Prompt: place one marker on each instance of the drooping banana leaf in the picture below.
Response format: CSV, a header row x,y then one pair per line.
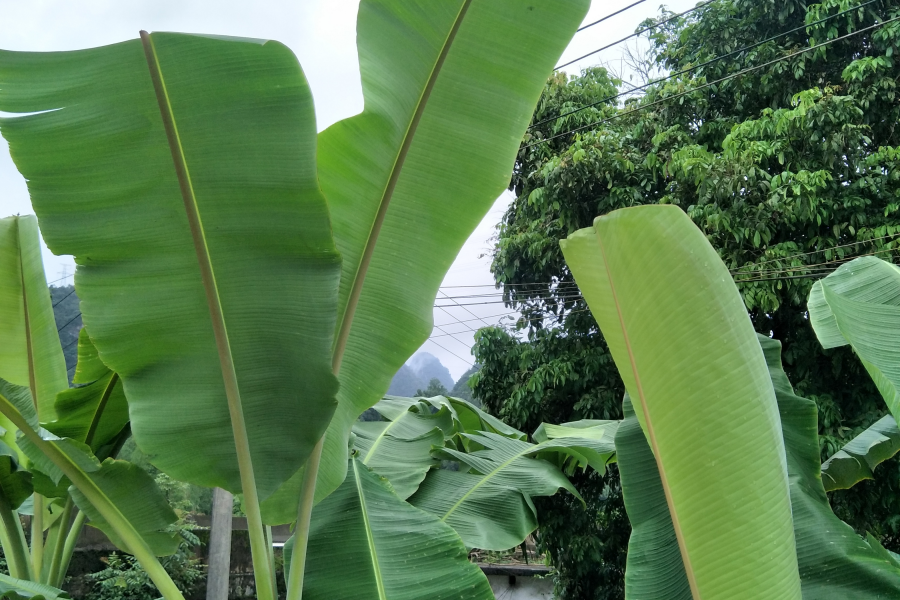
x,y
859,304
129,508
490,505
835,563
449,90
466,416
859,457
680,336
400,450
595,439
30,352
95,412
206,269
365,542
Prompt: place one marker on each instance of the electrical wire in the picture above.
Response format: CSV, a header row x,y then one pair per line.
x,y
635,34
712,83
57,303
69,322
701,65
609,16
451,352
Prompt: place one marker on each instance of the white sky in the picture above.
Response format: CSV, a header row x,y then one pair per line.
x,y
322,35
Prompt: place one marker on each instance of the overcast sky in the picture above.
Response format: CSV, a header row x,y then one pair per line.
x,y
322,35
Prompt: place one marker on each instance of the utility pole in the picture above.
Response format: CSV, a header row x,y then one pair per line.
x,y
219,546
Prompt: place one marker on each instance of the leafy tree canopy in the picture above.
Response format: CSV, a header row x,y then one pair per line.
x,y
435,388
787,169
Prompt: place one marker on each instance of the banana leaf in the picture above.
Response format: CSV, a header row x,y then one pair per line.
x,y
490,504
22,589
30,352
859,305
95,412
835,563
593,438
187,251
859,457
687,353
365,542
449,90
400,450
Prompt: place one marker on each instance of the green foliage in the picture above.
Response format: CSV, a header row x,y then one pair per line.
x,y
435,388
797,157
463,389
125,579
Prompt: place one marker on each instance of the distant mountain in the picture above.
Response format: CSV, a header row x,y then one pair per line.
x,y
416,375
406,382
427,367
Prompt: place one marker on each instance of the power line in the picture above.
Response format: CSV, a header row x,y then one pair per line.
x,y
57,303
461,306
609,16
701,65
451,352
790,256
711,83
69,322
635,34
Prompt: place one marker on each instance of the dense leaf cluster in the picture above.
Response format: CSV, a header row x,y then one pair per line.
x,y
786,169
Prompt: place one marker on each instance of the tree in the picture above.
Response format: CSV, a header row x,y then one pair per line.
x,y
787,169
435,388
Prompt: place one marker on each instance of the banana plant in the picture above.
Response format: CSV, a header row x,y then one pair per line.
x,y
694,382
93,415
183,173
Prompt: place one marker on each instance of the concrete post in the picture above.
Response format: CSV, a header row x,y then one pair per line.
x,y
219,546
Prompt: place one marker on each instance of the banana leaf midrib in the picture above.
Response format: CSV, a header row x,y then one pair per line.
x,y
223,346
379,439
101,406
485,478
356,288
373,553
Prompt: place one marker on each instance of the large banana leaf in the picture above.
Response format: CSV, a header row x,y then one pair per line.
x,y
835,563
206,269
449,89
30,352
365,543
400,450
859,304
679,333
490,506
857,460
